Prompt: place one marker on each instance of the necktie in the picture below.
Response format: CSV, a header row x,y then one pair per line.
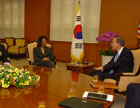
x,y
115,59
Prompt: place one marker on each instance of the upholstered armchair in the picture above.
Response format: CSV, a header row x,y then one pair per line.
x,y
124,79
30,48
10,41
18,48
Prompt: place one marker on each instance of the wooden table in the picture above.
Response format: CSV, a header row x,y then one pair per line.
x,y
53,87
83,68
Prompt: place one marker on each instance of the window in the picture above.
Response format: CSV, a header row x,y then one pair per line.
x,y
12,18
62,19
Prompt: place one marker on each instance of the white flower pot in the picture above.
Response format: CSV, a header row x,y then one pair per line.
x,y
106,59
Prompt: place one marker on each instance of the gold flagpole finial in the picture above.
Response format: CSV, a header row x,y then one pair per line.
x,y
79,1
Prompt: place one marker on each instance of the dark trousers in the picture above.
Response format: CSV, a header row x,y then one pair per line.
x,y
46,64
4,60
103,75
133,96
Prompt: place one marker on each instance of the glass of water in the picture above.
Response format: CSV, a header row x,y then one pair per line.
x,y
71,93
95,78
41,104
101,89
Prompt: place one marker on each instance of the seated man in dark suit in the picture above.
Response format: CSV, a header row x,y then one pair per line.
x,y
3,54
120,63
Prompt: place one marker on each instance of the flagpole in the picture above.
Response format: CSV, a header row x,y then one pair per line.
x,y
79,1
77,48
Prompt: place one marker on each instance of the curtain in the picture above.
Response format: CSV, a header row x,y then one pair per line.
x,y
12,18
62,19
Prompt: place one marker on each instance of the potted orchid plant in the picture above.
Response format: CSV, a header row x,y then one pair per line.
x,y
106,52
106,38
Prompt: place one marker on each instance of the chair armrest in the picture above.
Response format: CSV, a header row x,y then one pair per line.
x,y
128,74
8,58
55,62
29,61
125,74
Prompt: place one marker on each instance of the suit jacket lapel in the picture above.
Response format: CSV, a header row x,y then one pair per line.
x,y
122,53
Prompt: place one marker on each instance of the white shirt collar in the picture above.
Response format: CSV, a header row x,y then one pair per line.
x,y
120,50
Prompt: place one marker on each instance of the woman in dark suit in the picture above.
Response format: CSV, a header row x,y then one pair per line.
x,y
43,56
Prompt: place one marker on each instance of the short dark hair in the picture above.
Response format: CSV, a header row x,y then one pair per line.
x,y
120,40
40,40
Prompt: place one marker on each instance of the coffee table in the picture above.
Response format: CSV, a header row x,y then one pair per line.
x,y
83,68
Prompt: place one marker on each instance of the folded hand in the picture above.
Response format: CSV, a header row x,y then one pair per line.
x,y
100,68
45,59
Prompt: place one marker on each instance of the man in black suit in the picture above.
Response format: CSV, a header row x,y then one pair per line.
x,y
120,63
3,54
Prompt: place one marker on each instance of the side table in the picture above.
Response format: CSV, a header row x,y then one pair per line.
x,y
82,68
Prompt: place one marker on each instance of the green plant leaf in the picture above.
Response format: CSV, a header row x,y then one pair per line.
x,y
107,52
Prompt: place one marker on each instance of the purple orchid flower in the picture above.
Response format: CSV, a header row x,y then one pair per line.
x,y
106,37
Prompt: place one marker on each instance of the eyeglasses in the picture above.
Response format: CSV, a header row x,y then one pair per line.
x,y
113,42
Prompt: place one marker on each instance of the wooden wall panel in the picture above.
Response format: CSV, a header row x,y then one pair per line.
x,y
122,17
62,51
91,53
37,18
